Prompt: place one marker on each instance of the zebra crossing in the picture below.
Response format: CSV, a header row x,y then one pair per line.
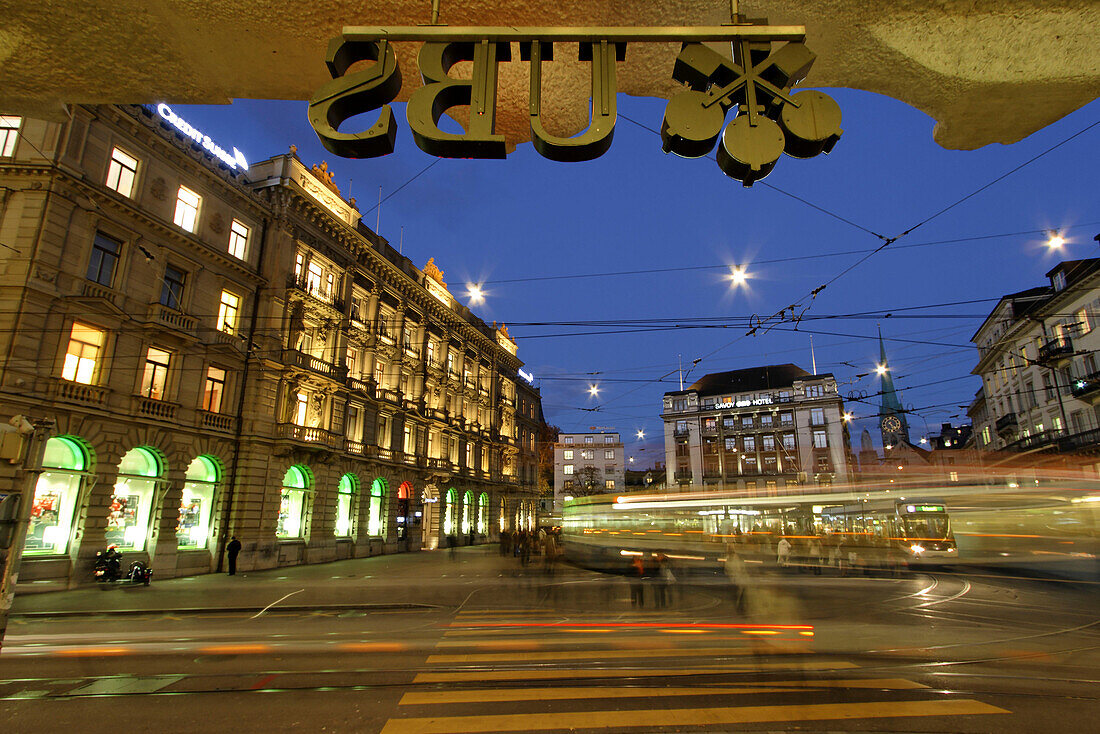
x,y
550,675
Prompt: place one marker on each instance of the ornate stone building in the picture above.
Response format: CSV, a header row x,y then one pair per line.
x,y
232,352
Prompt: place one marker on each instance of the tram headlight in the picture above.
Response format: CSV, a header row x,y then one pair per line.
x,y
917,549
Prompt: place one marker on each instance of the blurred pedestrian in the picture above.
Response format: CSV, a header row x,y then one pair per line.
x,y
665,580
452,542
232,551
815,553
526,541
637,578
505,543
783,552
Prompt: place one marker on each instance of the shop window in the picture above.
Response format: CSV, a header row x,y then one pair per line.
x,y
483,513
376,520
292,502
171,290
238,240
156,373
9,134
121,172
197,503
187,209
83,354
55,497
467,511
227,312
345,505
105,253
450,512
128,516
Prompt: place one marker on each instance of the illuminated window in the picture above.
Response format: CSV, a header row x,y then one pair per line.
x,y
197,503
568,439
589,439
301,408
450,512
820,441
238,239
121,172
377,516
567,454
212,393
9,133
55,496
227,312
611,439
345,504
467,512
587,454
609,454
609,484
83,354
171,291
156,373
187,209
750,443
483,513
128,514
101,266
568,470
292,503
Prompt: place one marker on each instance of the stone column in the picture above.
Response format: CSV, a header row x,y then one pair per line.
x,y
161,543
90,522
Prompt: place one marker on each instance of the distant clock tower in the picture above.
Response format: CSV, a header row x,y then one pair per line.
x,y
892,420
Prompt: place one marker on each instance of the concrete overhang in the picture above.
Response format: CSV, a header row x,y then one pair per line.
x,y
988,71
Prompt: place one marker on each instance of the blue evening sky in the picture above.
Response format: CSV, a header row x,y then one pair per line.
x,y
636,208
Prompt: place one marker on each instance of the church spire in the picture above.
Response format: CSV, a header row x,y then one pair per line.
x,y
892,419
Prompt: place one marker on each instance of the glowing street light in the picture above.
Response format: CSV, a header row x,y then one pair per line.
x,y
923,439
881,369
847,417
1055,240
594,390
641,435
738,275
473,290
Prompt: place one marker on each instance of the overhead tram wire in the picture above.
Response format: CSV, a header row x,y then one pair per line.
x,y
887,241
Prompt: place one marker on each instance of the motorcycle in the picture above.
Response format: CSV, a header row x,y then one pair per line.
x,y
108,569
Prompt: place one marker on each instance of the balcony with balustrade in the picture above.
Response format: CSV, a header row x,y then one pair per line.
x,y
308,436
172,319
220,422
316,292
160,410
306,361
66,391
1056,352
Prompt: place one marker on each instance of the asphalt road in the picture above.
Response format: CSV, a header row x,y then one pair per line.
x,y
493,647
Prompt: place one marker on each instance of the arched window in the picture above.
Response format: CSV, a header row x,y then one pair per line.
x,y
132,501
450,512
345,505
483,513
292,504
376,522
197,503
55,497
467,511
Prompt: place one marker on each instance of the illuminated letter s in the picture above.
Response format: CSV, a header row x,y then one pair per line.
x,y
362,91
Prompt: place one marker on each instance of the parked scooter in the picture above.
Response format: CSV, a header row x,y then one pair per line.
x,y
108,569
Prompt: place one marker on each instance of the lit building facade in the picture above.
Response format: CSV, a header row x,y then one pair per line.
x,y
229,352
762,428
1037,357
587,463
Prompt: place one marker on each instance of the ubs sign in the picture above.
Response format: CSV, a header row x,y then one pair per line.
x,y
754,83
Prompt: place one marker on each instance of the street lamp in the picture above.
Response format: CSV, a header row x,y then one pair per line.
x,y
881,369
847,417
594,390
1055,240
641,435
738,275
473,290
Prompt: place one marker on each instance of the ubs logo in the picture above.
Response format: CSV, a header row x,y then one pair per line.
x,y
754,83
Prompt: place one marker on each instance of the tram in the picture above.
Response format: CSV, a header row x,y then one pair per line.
x,y
843,529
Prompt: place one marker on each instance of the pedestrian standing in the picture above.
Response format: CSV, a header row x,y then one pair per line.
x,y
233,550
783,554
